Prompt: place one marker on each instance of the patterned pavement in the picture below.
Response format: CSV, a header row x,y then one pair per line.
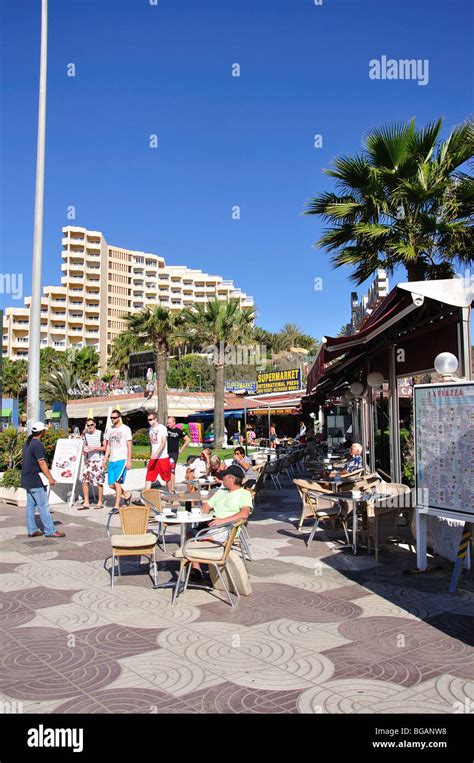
x,y
322,632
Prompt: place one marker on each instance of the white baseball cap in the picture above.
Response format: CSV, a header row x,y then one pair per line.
x,y
38,427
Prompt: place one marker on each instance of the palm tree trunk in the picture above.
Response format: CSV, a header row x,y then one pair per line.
x,y
416,271
219,406
161,363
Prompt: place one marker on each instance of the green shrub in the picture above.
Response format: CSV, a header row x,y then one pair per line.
x,y
140,437
12,478
11,443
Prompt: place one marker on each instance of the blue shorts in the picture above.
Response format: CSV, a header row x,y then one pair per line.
x,y
116,472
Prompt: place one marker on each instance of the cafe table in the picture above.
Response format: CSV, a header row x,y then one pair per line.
x,y
185,519
359,497
187,496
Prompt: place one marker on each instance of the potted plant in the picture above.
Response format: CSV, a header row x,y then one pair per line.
x,y
10,490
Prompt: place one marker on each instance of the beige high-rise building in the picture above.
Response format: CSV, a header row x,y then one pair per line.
x,y
101,283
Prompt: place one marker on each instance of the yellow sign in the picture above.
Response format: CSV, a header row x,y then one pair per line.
x,y
273,411
278,381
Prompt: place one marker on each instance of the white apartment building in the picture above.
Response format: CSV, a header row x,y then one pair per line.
x,y
99,284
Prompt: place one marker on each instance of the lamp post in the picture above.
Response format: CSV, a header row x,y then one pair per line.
x,y
243,394
374,380
33,408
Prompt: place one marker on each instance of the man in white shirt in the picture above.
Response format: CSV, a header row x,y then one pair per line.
x,y
159,464
200,466
118,448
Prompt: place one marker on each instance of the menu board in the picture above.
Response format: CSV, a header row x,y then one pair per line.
x,y
66,460
444,446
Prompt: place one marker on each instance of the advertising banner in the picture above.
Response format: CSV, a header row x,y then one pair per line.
x,y
279,381
66,460
241,386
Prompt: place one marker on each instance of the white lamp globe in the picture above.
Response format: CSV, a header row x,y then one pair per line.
x,y
446,363
375,379
349,396
357,389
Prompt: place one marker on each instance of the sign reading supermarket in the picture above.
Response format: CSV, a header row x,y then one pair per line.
x,y
278,381
240,386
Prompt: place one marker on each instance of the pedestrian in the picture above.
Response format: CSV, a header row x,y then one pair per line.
x,y
33,465
245,463
118,448
93,473
175,435
159,463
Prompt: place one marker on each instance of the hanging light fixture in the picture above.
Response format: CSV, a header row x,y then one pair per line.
x,y
349,396
357,389
375,379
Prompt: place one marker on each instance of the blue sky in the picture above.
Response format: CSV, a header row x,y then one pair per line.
x,y
223,140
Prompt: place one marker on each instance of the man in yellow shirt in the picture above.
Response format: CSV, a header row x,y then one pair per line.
x,y
230,504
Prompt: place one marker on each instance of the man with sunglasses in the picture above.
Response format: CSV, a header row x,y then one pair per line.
x,y
159,464
93,472
118,442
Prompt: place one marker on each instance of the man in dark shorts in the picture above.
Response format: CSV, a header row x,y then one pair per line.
x,y
175,435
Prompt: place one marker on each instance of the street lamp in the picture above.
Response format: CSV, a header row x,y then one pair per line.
x,y
446,364
244,393
33,409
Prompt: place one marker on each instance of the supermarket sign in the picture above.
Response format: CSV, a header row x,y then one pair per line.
x,y
279,381
240,386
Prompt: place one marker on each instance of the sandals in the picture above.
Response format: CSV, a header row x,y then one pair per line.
x,y
127,501
83,508
100,507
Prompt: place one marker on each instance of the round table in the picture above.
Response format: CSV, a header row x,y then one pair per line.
x,y
184,519
188,497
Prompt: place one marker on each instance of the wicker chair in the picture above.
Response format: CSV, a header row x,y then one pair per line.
x,y
207,551
135,540
152,499
308,506
389,507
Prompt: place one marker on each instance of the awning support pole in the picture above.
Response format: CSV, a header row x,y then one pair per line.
x,y
370,412
395,461
465,343
363,430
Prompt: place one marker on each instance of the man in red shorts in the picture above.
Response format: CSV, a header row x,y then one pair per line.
x,y
159,463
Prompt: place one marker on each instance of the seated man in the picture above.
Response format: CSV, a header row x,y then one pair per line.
x,y
354,463
198,467
231,503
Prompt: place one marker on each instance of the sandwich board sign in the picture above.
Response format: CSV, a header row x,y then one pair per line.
x,y
66,463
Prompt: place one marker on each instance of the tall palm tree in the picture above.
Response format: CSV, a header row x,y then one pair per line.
x,y
403,201
219,325
14,374
59,386
120,350
162,329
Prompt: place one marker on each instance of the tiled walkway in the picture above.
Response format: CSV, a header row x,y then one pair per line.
x,y
323,631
